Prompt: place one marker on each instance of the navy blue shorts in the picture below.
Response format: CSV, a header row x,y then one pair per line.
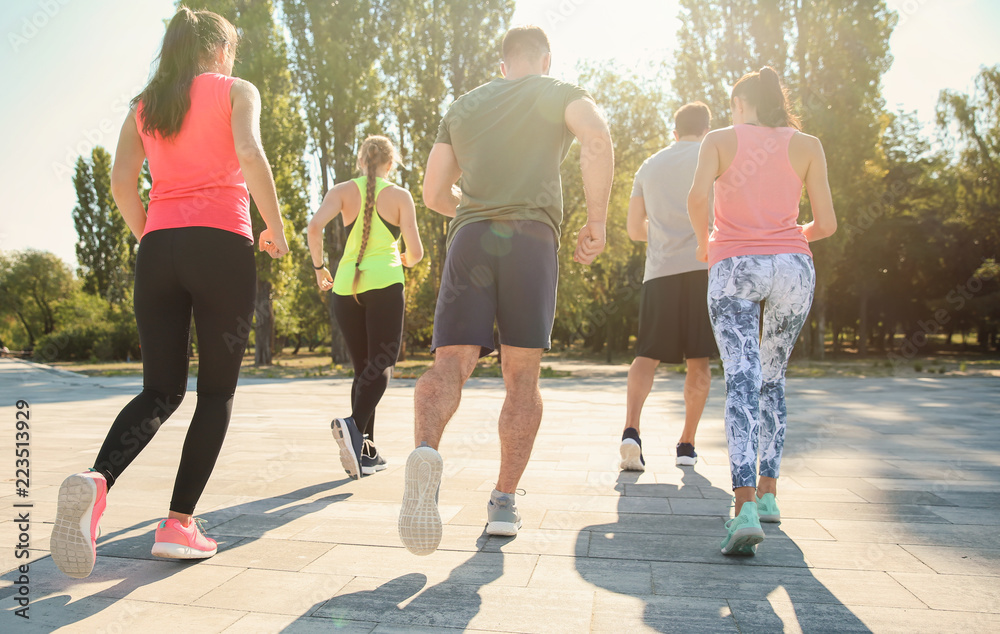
x,y
503,272
673,319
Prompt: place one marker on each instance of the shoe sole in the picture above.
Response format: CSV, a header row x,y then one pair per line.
x,y
631,454
169,550
771,519
503,529
72,546
686,461
744,541
372,470
419,519
348,459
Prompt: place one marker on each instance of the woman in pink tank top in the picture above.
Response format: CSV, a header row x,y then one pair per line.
x,y
757,252
199,129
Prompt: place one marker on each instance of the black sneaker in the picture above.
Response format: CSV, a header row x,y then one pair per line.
x,y
686,457
371,459
631,451
348,436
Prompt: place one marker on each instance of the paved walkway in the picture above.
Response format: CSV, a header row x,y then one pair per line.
x,y
890,492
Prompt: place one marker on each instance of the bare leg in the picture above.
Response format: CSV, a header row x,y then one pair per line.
x,y
743,494
439,391
696,387
640,383
521,413
183,518
767,485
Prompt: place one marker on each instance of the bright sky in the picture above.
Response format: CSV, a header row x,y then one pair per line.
x,y
69,68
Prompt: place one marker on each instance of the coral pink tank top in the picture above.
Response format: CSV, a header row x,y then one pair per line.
x,y
757,198
197,181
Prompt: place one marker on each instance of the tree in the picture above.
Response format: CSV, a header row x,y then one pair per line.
x,y
105,248
262,59
31,285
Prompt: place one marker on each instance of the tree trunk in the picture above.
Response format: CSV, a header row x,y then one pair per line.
x,y
863,324
819,309
263,325
608,339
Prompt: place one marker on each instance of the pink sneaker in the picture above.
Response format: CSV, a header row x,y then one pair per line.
x,y
175,541
82,500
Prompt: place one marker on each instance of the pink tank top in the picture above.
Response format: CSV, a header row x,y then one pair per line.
x,y
197,181
757,198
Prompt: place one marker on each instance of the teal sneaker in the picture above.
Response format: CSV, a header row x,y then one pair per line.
x,y
744,532
767,508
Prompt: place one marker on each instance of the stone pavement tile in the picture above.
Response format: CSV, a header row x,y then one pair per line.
x,y
286,624
630,522
626,576
409,629
974,516
879,496
630,504
453,566
851,587
179,581
796,529
859,556
272,526
854,511
949,560
408,601
475,515
983,498
901,620
686,548
270,554
617,613
929,484
382,533
782,615
718,507
540,542
910,533
100,614
953,592
792,491
868,467
137,543
662,491
274,592
599,503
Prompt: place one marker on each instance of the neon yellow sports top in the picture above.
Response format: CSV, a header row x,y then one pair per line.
x,y
381,265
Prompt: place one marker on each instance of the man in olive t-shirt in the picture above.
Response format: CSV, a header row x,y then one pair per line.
x,y
504,141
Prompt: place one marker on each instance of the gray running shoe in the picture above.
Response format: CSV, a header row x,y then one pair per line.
x,y
419,519
502,515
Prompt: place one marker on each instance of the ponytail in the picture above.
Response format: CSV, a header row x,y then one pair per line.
x,y
763,91
191,39
375,151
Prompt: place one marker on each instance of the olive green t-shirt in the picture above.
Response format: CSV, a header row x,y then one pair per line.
x,y
509,137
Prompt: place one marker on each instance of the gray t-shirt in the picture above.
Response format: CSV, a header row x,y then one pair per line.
x,y
663,182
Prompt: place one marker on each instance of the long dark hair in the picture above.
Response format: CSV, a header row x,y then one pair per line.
x,y
375,152
763,91
192,38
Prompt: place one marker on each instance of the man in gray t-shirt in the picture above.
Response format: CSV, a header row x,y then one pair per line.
x,y
673,316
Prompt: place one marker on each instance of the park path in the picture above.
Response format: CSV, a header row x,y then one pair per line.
x,y
890,494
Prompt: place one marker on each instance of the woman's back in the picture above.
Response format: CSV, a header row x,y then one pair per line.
x,y
197,180
757,195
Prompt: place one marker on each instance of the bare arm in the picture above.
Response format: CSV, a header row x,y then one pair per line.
x,y
440,192
329,209
824,222
701,193
129,157
408,225
637,222
253,163
597,166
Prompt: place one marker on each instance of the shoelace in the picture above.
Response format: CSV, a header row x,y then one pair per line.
x,y
369,449
200,526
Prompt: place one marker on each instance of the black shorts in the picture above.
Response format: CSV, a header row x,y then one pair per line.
x,y
673,319
502,271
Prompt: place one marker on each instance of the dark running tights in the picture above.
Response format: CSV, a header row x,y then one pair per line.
x,y
179,272
373,329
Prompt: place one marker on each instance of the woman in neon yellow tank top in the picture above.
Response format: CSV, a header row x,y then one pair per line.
x,y
367,289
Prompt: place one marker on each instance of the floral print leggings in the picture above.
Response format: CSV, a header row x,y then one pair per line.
x,y
755,365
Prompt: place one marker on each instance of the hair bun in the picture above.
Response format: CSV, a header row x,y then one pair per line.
x,y
769,77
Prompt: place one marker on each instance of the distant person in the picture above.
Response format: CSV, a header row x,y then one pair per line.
x,y
505,141
757,253
198,128
367,289
673,317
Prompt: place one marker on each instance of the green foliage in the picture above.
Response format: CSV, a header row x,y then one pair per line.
x,y
32,283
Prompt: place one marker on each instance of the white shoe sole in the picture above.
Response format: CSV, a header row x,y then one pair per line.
x,y
71,545
419,519
348,459
771,519
372,470
168,550
686,461
744,541
503,529
631,454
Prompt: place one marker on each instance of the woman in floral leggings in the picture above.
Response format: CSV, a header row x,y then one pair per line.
x,y
758,253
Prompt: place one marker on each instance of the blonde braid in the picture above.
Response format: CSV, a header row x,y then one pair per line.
x,y
375,151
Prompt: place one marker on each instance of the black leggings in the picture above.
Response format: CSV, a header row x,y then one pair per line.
x,y
373,330
210,273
